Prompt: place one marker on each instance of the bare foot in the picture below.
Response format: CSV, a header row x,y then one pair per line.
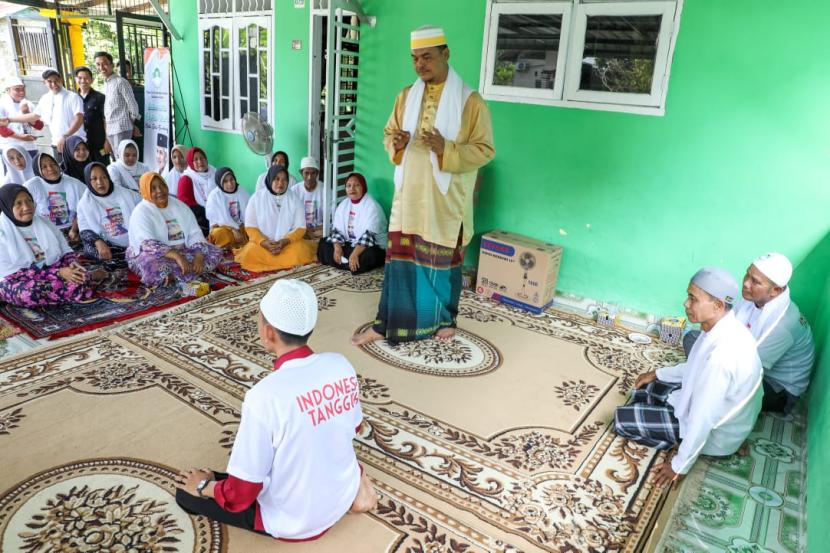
x,y
743,451
367,498
445,333
368,335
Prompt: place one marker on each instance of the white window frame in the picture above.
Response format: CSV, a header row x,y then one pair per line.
x,y
571,47
233,22
507,93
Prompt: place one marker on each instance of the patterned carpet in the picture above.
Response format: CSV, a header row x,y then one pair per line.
x,y
495,441
753,504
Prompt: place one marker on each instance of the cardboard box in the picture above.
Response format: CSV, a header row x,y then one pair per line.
x,y
517,270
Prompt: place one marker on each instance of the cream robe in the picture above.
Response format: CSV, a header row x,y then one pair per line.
x,y
721,392
419,207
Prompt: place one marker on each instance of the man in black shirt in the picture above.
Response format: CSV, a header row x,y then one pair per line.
x,y
93,114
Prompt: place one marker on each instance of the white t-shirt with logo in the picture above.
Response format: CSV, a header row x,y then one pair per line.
x,y
58,111
312,203
10,108
295,437
31,239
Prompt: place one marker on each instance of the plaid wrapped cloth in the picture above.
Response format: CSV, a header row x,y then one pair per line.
x,y
648,419
367,240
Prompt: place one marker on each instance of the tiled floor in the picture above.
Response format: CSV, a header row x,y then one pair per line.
x,y
753,504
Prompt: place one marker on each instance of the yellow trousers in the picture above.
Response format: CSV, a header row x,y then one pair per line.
x,y
254,257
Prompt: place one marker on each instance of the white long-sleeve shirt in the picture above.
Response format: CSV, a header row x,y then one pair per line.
x,y
721,392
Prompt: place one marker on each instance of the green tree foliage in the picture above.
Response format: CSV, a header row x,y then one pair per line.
x,y
99,36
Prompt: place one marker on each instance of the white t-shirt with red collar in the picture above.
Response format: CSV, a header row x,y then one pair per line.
x,y
295,437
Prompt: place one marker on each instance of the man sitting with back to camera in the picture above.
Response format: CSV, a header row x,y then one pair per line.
x,y
293,472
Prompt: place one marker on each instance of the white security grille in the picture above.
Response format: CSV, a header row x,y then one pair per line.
x,y
226,7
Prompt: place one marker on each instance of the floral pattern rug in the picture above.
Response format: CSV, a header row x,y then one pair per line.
x,y
504,429
752,504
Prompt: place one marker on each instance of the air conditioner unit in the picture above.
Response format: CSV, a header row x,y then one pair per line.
x,y
522,66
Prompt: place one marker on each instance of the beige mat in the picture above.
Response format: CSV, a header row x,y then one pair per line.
x,y
497,440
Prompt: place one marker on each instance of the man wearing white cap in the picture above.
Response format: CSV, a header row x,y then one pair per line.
x,y
310,192
12,104
785,343
708,404
438,136
293,471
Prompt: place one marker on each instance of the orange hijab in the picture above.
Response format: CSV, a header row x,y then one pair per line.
x,y
144,184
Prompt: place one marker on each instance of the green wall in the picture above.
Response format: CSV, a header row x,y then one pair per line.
x,y
738,165
289,90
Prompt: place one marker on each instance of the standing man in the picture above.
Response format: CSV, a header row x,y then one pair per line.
x,y
60,109
438,136
293,472
310,192
93,100
120,108
12,104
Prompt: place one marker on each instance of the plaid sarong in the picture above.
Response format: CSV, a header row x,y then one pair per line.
x,y
421,288
648,419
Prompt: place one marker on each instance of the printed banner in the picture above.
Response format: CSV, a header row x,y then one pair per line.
x,y
157,141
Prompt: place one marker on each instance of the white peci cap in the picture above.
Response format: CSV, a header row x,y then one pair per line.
x,y
309,162
775,267
290,306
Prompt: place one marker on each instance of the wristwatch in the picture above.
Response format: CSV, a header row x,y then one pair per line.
x,y
202,485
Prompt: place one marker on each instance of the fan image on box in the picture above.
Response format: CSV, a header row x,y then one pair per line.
x,y
257,133
527,261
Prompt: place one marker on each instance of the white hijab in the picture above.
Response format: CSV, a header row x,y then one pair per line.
x,y
13,174
92,210
123,174
368,216
16,254
203,183
275,216
218,204
147,223
454,96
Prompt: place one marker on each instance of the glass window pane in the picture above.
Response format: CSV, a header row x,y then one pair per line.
x,y
226,38
216,99
263,110
243,106
215,50
619,53
527,47
243,75
263,37
226,109
226,71
206,75
207,106
243,37
263,62
206,38
254,87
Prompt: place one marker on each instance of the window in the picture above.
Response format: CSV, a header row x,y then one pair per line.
x,y
235,62
610,55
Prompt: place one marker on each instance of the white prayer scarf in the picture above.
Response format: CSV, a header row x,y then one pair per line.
x,y
13,174
218,207
126,175
447,120
93,213
148,223
368,216
16,254
203,183
771,314
274,216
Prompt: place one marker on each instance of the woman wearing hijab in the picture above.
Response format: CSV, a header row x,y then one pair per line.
x,y
172,175
75,157
279,158
127,170
56,195
357,240
18,165
196,184
166,244
37,266
104,217
225,211
275,224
